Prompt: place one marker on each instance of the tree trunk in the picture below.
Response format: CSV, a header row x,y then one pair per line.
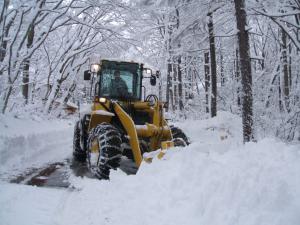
x,y
207,80
54,96
238,78
280,104
180,84
246,75
286,88
222,68
160,89
169,85
290,65
25,87
69,93
213,66
5,29
174,87
5,103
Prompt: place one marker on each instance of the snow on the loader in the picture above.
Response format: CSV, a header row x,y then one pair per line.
x,y
215,180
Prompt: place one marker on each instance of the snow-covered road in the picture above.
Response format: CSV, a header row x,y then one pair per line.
x,y
216,180
32,144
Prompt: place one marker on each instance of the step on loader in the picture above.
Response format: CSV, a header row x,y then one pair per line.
x,y
118,125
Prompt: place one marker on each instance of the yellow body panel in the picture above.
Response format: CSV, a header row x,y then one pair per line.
x,y
158,131
164,146
167,144
128,124
150,130
97,118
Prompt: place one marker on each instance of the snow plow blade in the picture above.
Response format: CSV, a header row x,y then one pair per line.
x,y
165,145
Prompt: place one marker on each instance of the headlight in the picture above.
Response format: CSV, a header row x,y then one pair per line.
x,y
95,68
149,71
102,100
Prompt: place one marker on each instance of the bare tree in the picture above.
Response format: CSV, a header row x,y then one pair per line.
x,y
213,65
207,80
286,83
246,75
25,87
17,53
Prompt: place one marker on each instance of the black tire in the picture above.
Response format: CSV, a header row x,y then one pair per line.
x,y
78,153
109,146
179,137
126,148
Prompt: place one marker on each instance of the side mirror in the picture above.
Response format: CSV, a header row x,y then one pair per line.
x,y
165,105
153,80
87,75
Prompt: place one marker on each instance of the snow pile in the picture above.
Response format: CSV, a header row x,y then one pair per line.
x,y
256,184
27,143
215,134
216,181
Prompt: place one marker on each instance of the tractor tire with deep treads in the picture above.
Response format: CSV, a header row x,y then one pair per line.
x,y
126,147
78,153
108,140
179,137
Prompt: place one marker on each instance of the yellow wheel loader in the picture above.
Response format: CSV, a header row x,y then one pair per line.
x,y
119,125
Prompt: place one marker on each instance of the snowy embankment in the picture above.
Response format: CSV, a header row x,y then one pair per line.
x,y
25,144
216,180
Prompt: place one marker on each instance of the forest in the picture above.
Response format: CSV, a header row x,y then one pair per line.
x,y
240,56
149,112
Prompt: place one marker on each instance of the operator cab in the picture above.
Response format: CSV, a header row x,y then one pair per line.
x,y
118,80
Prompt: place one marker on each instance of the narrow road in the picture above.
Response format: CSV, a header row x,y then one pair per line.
x,y
52,175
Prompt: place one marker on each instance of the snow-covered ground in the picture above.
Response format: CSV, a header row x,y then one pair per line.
x,y
26,144
215,180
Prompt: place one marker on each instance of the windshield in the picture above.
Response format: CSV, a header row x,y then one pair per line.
x,y
120,81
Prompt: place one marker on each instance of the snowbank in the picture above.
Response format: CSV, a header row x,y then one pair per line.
x,y
215,181
27,143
